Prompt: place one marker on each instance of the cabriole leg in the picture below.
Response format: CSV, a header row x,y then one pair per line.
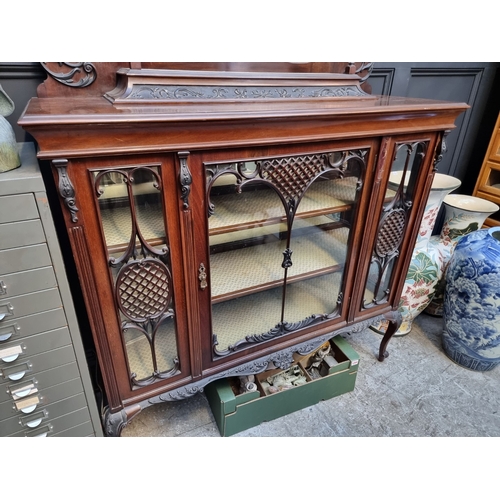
x,y
395,319
115,422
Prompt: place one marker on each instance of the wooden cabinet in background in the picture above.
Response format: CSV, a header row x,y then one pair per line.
x,y
221,222
488,182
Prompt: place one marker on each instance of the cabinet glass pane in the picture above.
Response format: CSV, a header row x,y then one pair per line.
x,y
245,265
399,198
279,230
134,227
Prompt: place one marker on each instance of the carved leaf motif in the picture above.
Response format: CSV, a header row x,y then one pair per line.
x,y
75,68
185,179
207,92
66,189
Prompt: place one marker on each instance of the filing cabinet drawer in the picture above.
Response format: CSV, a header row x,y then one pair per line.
x,y
42,398
22,259
35,344
18,207
84,430
24,422
30,303
46,414
16,328
20,234
34,364
27,281
65,426
10,389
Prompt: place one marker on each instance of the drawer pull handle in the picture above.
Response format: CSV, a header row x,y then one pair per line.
x,y
10,353
23,389
3,288
28,409
9,359
16,372
17,375
34,423
22,393
27,405
7,332
6,310
33,420
5,336
42,432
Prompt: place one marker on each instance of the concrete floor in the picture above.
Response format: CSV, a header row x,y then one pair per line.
x,y
416,391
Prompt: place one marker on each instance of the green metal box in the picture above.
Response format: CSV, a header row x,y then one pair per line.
x,y
237,412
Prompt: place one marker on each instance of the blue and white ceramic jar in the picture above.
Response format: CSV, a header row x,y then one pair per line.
x,y
463,215
471,313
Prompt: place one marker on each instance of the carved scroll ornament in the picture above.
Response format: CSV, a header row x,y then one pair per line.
x,y
182,93
67,78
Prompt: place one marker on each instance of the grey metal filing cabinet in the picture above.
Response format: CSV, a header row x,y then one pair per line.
x,y
45,386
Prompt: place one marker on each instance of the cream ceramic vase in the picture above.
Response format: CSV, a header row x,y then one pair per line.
x,y
423,272
463,215
9,156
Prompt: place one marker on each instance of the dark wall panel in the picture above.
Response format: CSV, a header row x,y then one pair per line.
x,y
20,81
381,80
473,83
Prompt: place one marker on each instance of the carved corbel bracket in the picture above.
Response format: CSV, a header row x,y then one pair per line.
x,y
65,188
441,149
185,178
364,70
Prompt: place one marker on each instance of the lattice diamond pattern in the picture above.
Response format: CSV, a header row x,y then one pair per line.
x,y
292,175
391,232
143,289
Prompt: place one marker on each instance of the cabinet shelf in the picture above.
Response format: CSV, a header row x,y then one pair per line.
x,y
251,269
234,212
233,320
248,209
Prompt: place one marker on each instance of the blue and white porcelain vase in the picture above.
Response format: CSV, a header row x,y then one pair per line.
x,y
471,313
463,215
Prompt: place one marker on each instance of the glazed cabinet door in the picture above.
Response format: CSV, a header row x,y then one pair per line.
x,y
403,178
130,216
283,229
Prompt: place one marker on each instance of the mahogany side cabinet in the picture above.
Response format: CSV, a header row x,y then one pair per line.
x,y
222,221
